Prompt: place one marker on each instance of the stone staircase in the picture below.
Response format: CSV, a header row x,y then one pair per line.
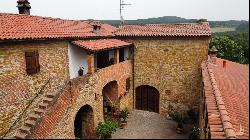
x,y
33,119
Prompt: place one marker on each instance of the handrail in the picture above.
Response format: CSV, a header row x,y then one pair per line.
x,y
19,117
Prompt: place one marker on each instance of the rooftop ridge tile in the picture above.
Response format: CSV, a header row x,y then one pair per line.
x,y
225,119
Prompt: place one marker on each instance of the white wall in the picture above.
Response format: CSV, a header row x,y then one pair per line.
x,y
111,54
77,58
126,53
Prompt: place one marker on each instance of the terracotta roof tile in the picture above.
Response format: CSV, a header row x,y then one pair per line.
x,y
230,86
98,45
174,30
22,26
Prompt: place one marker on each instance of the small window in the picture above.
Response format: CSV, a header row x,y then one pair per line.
x,y
127,84
32,62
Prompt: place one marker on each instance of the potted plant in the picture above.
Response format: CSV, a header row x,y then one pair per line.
x,y
80,71
106,129
181,118
124,115
194,133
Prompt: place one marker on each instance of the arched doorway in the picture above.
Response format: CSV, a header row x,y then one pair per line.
x,y
147,98
84,123
110,98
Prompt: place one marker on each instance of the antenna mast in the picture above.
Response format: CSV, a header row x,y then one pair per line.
x,y
122,4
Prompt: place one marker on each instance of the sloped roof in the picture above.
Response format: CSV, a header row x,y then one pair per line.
x,y
22,26
227,98
173,30
102,44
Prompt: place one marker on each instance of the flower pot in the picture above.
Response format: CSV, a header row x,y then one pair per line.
x,y
80,72
123,125
180,129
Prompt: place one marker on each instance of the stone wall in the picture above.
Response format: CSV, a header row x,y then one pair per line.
x,y
17,88
173,68
86,90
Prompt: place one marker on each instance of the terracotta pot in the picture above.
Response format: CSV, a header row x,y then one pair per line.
x,y
123,125
179,129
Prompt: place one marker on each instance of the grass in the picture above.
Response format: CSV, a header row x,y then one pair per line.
x,y
222,29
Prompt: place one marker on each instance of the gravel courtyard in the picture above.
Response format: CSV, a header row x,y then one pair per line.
x,y
149,125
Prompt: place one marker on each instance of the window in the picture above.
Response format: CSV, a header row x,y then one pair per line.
x,y
32,62
121,54
127,84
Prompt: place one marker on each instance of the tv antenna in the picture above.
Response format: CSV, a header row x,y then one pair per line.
x,y
122,4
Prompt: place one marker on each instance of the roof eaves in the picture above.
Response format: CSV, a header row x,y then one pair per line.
x,y
224,117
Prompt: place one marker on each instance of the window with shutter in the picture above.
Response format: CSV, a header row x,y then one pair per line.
x,y
127,84
32,62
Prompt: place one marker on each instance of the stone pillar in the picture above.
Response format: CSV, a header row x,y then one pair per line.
x,y
116,56
91,63
213,53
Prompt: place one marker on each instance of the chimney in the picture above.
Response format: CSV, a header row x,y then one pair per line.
x,y
23,7
97,29
224,63
213,53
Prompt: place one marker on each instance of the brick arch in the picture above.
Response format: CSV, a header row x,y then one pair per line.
x,y
110,96
147,98
84,123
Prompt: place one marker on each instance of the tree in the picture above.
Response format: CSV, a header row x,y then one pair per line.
x,y
228,49
201,20
242,39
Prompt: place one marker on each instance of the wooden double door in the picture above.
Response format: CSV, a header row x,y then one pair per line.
x,y
147,98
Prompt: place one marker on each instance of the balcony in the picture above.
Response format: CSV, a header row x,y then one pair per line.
x,y
87,57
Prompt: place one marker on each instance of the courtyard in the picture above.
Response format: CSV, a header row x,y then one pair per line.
x,y
149,125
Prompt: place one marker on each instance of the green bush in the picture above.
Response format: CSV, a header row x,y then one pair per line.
x,y
193,116
124,114
232,46
180,117
106,129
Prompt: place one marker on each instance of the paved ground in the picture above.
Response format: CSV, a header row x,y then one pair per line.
x,y
149,125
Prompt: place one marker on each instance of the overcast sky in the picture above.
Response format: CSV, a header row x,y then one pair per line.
x,y
109,9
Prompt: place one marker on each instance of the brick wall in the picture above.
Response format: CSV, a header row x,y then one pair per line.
x,y
17,88
173,68
87,90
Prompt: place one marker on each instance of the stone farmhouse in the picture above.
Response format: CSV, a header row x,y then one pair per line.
x,y
59,77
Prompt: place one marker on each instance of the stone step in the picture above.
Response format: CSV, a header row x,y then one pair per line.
x,y
47,100
34,116
39,111
43,105
30,123
25,129
20,135
51,94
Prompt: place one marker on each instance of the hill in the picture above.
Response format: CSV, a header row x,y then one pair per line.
x,y
230,25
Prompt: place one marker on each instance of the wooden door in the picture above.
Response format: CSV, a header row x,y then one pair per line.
x,y
147,98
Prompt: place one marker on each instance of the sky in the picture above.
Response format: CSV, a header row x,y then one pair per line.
x,y
140,9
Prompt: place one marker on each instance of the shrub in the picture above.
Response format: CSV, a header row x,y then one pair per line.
x,y
193,116
124,114
194,134
180,117
106,129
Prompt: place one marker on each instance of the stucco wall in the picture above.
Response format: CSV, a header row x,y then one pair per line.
x,y
17,88
111,54
77,58
126,53
173,68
